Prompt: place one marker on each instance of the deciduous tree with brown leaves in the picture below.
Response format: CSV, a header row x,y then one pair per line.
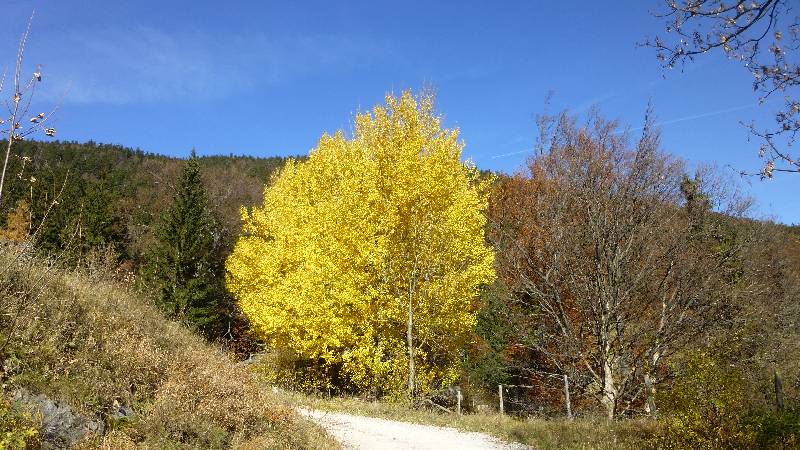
x,y
613,258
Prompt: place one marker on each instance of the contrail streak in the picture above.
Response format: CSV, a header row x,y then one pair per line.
x,y
700,116
664,122
512,153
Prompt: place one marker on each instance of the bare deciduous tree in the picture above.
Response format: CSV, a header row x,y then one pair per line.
x,y
613,260
765,37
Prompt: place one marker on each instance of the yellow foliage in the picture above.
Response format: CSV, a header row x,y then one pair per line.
x,y
19,428
18,223
705,407
343,241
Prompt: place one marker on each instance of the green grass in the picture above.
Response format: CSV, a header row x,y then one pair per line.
x,y
581,433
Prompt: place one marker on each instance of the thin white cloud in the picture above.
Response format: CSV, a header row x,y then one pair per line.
x,y
661,123
145,65
519,152
699,116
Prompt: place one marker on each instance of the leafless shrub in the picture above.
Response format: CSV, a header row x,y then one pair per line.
x,y
22,121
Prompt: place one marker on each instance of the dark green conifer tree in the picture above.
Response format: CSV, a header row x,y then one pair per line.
x,y
181,267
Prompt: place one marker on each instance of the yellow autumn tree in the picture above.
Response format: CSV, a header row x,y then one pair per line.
x,y
18,223
368,256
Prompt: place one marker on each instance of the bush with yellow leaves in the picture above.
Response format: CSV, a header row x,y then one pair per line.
x,y
19,428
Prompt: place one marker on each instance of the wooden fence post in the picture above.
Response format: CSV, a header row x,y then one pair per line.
x,y
567,401
778,391
500,391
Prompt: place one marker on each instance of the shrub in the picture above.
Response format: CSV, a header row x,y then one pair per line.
x,y
708,407
18,427
778,430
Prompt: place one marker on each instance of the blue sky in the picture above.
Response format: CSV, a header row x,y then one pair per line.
x,y
268,78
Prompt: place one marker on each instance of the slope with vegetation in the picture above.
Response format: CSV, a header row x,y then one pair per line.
x,y
85,341
84,201
111,196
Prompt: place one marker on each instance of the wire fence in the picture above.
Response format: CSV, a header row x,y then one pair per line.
x,y
517,399
512,395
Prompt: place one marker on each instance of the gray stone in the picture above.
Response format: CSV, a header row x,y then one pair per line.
x,y
120,412
61,426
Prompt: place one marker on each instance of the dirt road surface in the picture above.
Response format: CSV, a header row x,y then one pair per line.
x,y
357,432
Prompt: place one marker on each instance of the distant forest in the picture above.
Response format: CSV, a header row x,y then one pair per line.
x,y
109,198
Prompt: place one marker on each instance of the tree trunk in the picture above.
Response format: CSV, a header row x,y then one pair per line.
x,y
567,402
650,406
609,394
410,341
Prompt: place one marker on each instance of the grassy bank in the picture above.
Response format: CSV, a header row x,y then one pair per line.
x,y
83,340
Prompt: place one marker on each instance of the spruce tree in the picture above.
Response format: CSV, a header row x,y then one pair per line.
x,y
181,267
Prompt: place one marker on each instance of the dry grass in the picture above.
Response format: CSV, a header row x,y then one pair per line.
x,y
85,340
582,433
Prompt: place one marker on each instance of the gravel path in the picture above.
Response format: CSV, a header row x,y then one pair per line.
x,y
356,432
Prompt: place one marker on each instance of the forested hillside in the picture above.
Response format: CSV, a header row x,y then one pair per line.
x,y
99,197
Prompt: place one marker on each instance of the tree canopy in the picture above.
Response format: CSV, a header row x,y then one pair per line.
x,y
370,251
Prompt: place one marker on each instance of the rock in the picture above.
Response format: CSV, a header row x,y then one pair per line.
x,y
121,412
251,359
61,426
